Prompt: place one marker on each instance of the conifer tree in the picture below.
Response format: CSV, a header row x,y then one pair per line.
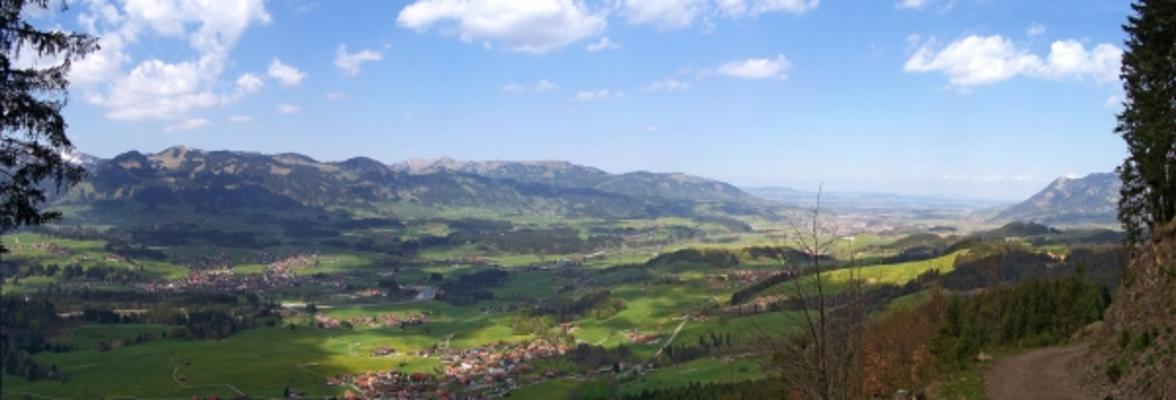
x,y
1148,121
33,141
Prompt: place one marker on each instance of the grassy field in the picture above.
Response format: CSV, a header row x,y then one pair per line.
x,y
705,369
895,274
262,361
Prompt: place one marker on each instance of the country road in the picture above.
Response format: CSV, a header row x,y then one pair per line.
x,y
1041,374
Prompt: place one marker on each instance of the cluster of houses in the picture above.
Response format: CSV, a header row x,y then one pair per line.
x,y
479,372
743,277
227,280
499,361
380,321
279,273
391,385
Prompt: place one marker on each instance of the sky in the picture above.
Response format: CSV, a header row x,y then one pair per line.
x,y
978,98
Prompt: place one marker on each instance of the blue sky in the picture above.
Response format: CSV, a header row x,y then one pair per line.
x,y
981,98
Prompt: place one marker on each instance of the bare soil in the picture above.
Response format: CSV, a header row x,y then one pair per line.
x,y
1042,374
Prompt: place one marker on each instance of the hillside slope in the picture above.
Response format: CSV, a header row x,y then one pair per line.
x,y
563,174
1134,356
230,181
1090,200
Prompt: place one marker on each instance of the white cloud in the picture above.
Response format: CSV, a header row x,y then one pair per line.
x,y
1070,59
757,68
240,119
249,83
668,85
652,128
912,4
187,125
603,44
1035,29
155,88
158,90
533,26
335,96
350,63
974,60
539,87
596,95
288,109
666,14
751,8
286,75
101,65
977,61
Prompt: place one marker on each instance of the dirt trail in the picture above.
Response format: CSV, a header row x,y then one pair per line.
x,y
1041,374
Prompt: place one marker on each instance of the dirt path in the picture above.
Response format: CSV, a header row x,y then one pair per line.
x,y
1041,374
672,337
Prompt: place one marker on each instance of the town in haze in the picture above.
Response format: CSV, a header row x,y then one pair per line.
x,y
588,199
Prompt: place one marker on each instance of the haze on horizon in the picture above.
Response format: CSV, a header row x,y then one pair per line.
x,y
752,92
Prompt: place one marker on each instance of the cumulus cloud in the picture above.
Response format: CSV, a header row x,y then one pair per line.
x,y
350,63
603,44
187,125
249,83
155,88
158,90
977,61
533,26
757,68
539,87
597,95
286,75
751,8
664,13
240,119
288,109
668,85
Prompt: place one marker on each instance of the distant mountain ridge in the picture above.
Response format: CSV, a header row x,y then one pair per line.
x,y
1092,199
231,180
564,174
869,200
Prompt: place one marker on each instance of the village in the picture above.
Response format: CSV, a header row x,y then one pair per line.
x,y
484,371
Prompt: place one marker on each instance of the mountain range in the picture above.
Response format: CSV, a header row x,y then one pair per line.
x,y
228,182
1089,200
224,181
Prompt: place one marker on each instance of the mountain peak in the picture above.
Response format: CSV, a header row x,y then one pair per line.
x,y
1091,199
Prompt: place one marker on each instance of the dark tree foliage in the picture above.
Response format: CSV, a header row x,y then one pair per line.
x,y
32,130
1148,120
1034,313
761,389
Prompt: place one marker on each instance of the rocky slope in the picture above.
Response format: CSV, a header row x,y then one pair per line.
x,y
1134,356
